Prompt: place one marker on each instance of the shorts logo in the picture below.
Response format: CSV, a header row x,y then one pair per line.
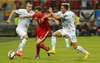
x,y
73,37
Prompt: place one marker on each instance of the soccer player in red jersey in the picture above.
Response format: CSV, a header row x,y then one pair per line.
x,y
43,30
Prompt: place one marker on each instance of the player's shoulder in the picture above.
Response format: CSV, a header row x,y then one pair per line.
x,y
34,15
32,11
69,13
21,9
43,14
59,12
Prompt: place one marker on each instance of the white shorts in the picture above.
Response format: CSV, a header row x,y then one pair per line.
x,y
20,32
70,33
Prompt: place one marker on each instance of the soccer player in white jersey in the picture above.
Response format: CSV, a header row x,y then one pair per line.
x,y
68,18
66,37
22,25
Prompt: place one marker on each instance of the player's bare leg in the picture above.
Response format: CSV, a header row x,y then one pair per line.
x,y
81,49
21,45
67,42
53,41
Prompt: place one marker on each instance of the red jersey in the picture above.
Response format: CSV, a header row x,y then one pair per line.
x,y
42,25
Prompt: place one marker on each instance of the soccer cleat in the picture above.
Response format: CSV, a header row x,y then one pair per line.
x,y
51,52
37,57
86,56
47,51
19,54
67,48
71,43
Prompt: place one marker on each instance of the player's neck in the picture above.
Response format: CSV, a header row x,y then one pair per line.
x,y
65,11
28,10
39,15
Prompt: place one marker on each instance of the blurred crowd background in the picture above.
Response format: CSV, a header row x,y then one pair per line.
x,y
87,14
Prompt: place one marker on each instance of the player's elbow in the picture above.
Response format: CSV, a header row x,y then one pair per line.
x,y
57,17
26,37
57,23
14,11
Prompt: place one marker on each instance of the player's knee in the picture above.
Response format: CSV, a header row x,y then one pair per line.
x,y
38,42
75,46
26,37
53,35
66,36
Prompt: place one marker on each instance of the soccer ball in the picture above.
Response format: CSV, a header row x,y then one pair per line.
x,y
11,54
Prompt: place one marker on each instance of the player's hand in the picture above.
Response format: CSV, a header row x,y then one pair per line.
x,y
57,22
50,9
75,26
50,18
21,17
62,24
8,21
42,19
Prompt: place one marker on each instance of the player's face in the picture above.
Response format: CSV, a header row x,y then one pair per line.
x,y
63,9
29,7
38,13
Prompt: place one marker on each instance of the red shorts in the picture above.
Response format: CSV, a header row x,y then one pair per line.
x,y
42,34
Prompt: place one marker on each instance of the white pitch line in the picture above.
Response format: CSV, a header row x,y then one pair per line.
x,y
9,42
12,42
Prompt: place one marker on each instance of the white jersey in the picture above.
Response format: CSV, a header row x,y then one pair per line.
x,y
68,19
24,22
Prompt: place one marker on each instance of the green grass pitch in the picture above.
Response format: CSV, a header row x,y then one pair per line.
x,y
63,55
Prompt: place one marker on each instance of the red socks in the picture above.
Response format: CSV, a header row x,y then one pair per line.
x,y
44,47
37,49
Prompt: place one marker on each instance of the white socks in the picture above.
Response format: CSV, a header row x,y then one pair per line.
x,y
67,43
53,42
21,45
82,50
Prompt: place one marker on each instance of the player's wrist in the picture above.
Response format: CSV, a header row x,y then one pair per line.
x,y
8,19
43,17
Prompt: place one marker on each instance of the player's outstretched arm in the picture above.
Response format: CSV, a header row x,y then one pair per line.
x,y
47,16
8,21
56,21
57,17
62,23
75,22
28,16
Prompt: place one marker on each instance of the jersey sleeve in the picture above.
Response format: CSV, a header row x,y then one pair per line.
x,y
32,13
58,13
19,11
33,16
66,16
69,15
74,16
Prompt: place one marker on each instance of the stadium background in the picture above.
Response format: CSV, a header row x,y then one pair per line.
x,y
87,12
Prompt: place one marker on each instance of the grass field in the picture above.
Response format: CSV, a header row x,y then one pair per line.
x,y
63,55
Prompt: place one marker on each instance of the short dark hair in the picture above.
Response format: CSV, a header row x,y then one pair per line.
x,y
66,5
38,8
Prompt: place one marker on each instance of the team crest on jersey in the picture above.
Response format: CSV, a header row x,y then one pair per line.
x,y
64,16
